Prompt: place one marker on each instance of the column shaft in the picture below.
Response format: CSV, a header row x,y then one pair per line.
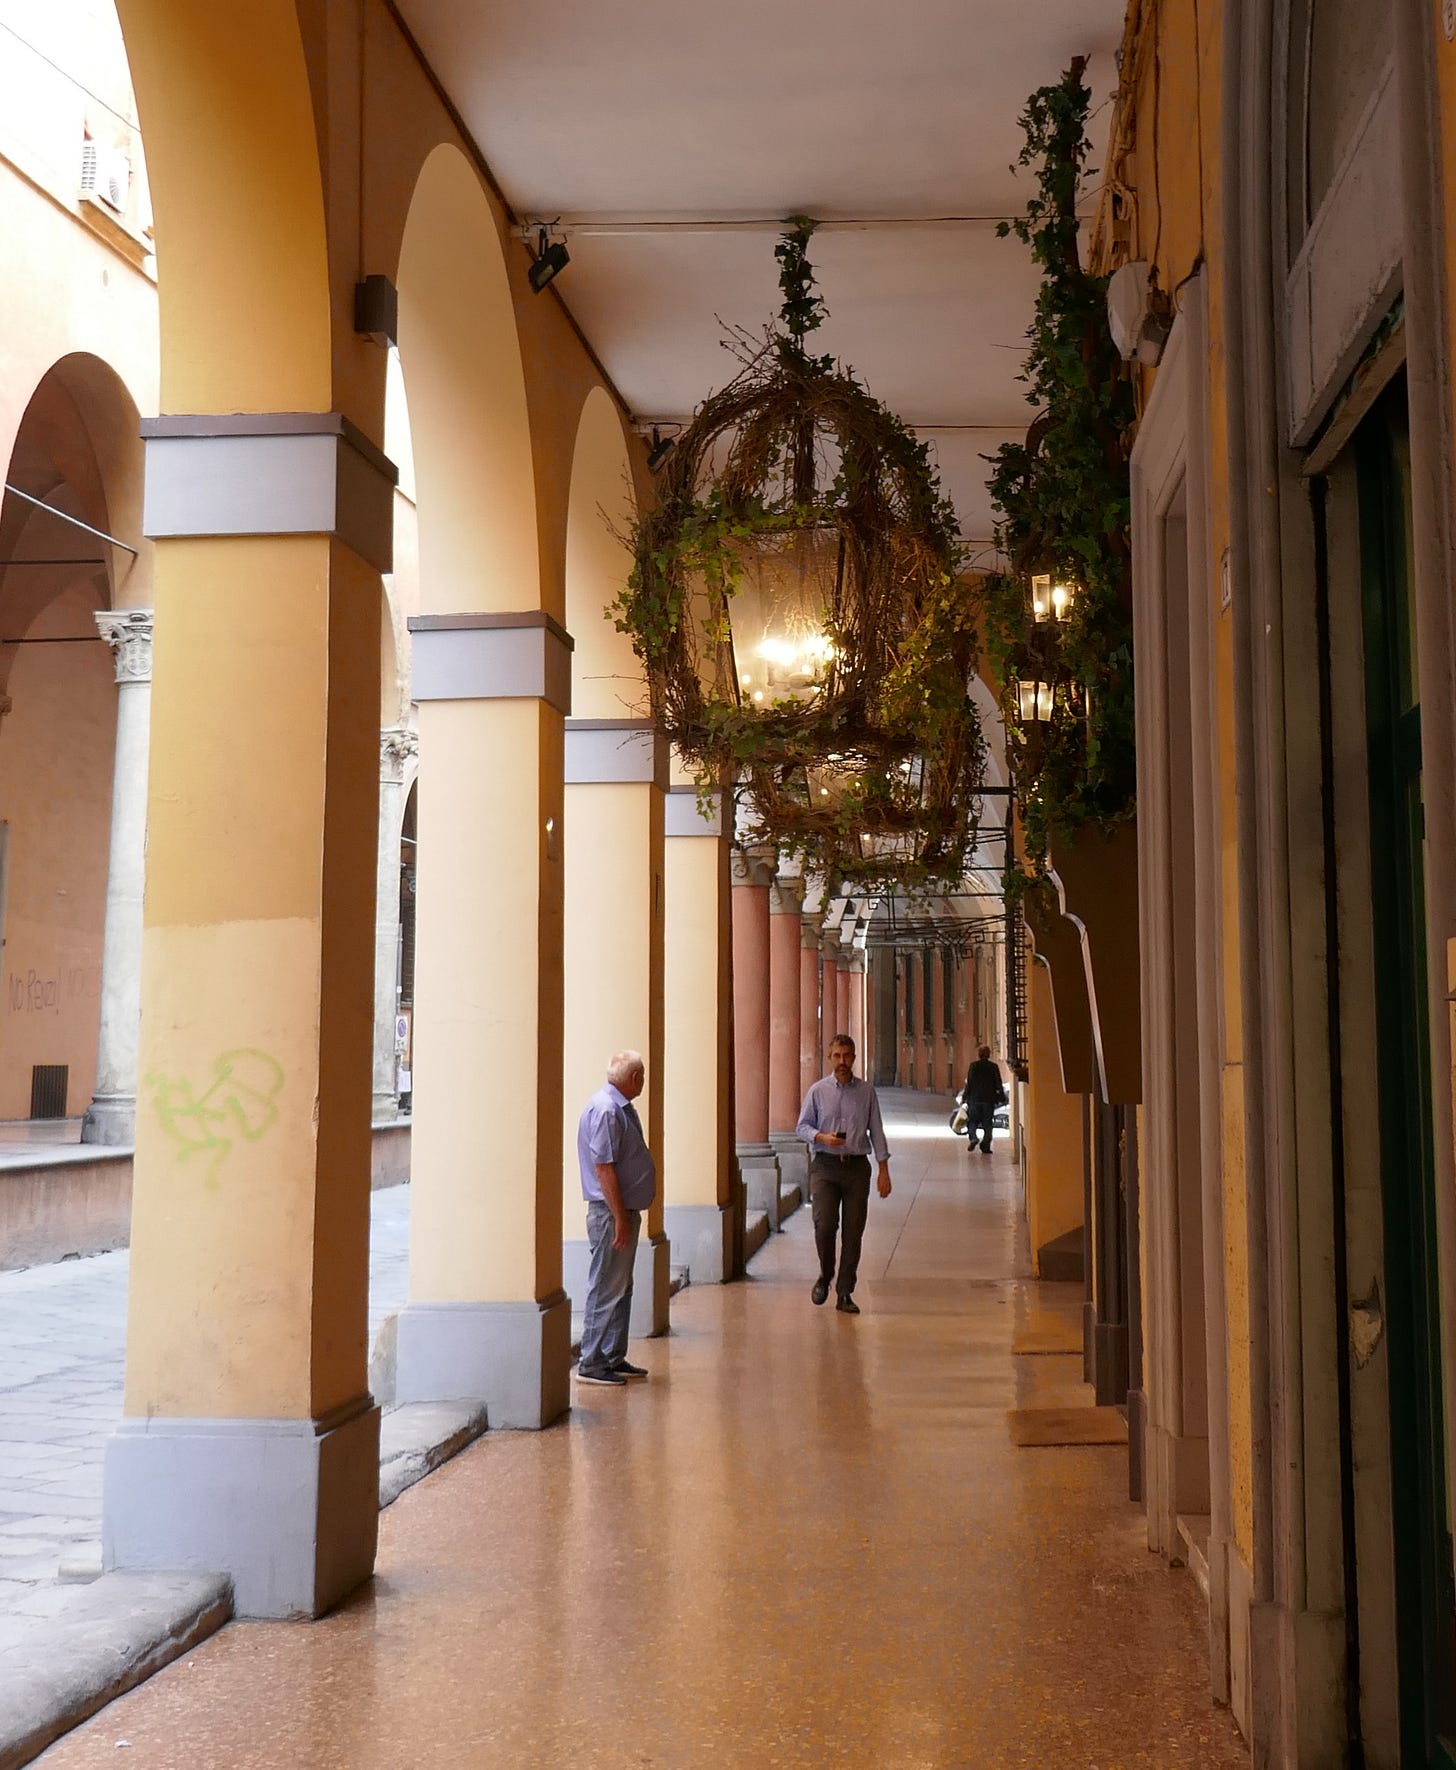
x,y
811,1054
697,1080
111,1116
756,1158
613,958
487,1317
396,747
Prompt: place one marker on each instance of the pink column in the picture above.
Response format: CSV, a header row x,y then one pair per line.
x,y
843,992
856,976
750,998
902,1077
786,900
939,1063
811,1046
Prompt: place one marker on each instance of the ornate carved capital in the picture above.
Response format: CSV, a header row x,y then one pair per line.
x,y
786,896
397,744
751,866
128,631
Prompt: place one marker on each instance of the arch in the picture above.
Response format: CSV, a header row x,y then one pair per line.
x,y
77,448
461,357
237,199
607,678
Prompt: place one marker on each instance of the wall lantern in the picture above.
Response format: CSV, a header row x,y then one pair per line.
x,y
1051,598
1035,700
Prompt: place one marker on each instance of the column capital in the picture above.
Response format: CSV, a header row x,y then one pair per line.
x,y
857,960
397,744
810,930
830,944
751,866
128,631
786,896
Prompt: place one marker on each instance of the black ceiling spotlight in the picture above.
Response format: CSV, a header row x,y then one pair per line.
x,y
551,258
662,447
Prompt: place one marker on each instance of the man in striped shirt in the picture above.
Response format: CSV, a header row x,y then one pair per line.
x,y
840,1121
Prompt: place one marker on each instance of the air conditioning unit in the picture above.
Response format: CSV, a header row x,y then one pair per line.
x,y
105,175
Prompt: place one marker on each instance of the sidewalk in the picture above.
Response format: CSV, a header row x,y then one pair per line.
x,y
63,1334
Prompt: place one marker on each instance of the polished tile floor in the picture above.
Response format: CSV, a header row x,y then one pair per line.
x,y
807,1540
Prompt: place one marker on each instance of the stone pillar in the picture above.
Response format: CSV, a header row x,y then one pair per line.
x,y
844,992
249,1443
616,782
855,976
939,1061
811,1039
697,1077
786,903
397,746
111,1116
829,950
487,1317
751,873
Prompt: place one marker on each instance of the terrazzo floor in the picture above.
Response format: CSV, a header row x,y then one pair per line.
x,y
808,1540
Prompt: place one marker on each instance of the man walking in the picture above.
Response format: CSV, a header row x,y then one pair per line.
x,y
840,1121
618,1182
984,1092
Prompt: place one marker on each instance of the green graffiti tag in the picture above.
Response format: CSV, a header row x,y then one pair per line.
x,y
238,1103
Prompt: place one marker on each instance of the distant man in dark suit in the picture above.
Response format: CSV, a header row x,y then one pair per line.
x,y
984,1092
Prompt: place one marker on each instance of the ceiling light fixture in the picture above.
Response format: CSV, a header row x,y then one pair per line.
x,y
551,259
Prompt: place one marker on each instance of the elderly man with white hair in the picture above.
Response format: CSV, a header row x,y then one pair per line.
x,y
618,1182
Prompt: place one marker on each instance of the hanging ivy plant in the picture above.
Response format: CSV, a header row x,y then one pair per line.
x,y
794,601
1063,508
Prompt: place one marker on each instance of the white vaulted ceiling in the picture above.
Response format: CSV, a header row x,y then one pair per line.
x,y
660,131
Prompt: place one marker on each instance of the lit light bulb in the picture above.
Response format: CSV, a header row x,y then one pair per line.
x,y
744,678
758,694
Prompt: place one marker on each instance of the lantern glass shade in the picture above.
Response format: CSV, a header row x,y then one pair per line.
x,y
1034,701
778,612
1051,598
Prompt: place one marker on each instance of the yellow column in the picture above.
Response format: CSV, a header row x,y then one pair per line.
x,y
697,1116
1053,1138
487,1317
250,1442
616,782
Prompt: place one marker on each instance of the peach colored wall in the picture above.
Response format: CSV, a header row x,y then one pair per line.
x,y
56,748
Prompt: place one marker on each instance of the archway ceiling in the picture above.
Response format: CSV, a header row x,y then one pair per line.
x,y
652,129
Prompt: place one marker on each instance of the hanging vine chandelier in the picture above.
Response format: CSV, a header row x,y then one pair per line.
x,y
794,601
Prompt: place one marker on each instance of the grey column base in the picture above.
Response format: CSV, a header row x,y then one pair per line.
x,y
287,1509
702,1240
793,1162
384,1108
651,1281
760,1169
110,1120
515,1357
651,1287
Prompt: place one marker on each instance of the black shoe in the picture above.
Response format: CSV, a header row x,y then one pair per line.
x,y
985,1149
820,1292
634,1373
600,1374
847,1306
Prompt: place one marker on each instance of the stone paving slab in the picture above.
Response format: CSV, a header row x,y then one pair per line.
x,y
96,1642
63,1335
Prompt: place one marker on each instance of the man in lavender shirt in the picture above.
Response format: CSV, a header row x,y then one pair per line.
x,y
618,1182
840,1121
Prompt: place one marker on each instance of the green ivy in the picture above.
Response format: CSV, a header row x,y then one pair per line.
x,y
1062,500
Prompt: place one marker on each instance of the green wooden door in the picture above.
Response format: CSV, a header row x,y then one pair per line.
x,y
1424,1602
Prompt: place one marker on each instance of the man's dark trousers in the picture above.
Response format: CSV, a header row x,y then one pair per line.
x,y
980,1117
839,1183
